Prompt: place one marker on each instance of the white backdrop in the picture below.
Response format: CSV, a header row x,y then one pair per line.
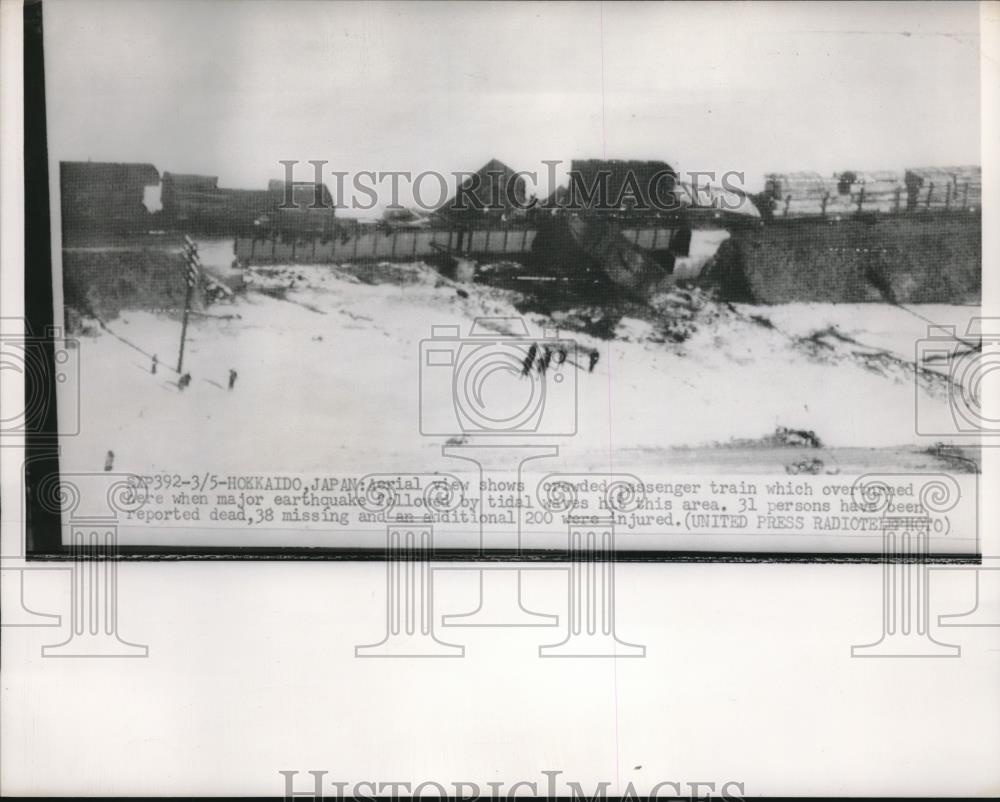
x,y
251,669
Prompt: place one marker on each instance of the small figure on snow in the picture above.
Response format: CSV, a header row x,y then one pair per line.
x,y
109,460
232,378
529,360
156,361
594,356
543,363
184,381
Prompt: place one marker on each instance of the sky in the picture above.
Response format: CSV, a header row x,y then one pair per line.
x,y
230,87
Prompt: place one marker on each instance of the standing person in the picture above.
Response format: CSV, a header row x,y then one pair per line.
x,y
529,360
109,460
155,362
594,356
185,380
232,378
543,363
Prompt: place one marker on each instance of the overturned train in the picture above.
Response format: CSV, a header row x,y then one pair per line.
x,y
913,256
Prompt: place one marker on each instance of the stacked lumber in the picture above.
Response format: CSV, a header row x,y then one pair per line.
x,y
809,194
800,194
877,191
944,187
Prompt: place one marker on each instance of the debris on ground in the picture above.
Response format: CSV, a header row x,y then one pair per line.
x,y
831,345
812,467
673,316
797,437
956,457
781,437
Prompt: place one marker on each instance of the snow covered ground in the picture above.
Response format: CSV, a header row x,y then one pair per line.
x,y
328,364
329,375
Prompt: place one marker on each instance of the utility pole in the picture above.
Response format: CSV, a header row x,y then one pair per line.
x,y
192,268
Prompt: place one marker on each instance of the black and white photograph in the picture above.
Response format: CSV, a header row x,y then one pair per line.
x,y
289,286
501,331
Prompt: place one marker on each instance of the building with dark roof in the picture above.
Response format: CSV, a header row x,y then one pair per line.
x,y
494,190
105,197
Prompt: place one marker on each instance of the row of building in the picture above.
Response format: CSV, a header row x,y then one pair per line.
x,y
120,198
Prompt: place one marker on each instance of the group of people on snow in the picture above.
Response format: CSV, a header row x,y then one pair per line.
x,y
185,378
532,358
